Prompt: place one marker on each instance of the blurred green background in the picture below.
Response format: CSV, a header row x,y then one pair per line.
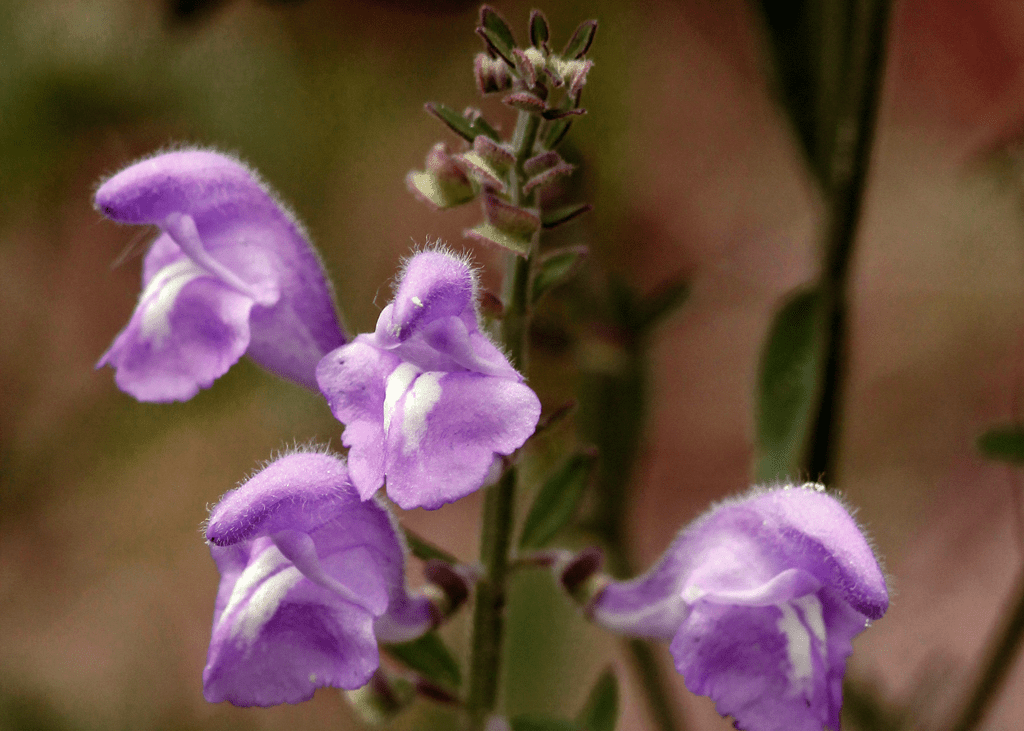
x,y
106,587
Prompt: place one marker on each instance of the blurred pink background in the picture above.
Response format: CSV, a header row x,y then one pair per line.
x,y
106,587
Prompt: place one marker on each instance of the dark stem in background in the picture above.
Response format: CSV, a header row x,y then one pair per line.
x,y
1001,655
1007,642
847,174
613,418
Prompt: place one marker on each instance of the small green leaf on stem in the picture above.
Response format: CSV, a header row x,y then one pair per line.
x,y
562,113
661,303
524,101
424,550
491,21
601,711
467,129
557,501
497,44
787,385
564,214
430,657
557,266
489,234
1003,443
581,39
539,32
556,132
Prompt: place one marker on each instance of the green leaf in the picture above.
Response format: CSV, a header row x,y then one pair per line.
x,y
481,127
788,383
555,267
557,501
1003,443
540,723
489,234
539,32
440,194
429,657
424,550
581,39
556,132
464,128
496,26
660,304
495,43
601,711
564,214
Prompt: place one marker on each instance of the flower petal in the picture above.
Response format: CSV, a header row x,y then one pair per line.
x,y
187,330
299,491
810,529
353,379
312,578
742,545
434,285
764,666
446,431
279,636
221,217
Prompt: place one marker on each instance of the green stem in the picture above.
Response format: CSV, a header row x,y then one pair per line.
x,y
499,500
847,177
1001,656
657,691
489,607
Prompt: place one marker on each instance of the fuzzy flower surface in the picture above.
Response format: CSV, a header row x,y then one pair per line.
x,y
230,273
312,578
760,599
428,401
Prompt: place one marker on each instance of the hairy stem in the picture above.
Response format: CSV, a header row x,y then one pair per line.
x,y
499,500
489,607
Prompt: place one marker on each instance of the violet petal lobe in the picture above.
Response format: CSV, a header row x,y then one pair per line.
x,y
312,578
445,431
428,401
760,598
225,234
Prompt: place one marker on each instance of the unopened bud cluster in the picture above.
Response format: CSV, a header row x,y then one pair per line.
x,y
508,175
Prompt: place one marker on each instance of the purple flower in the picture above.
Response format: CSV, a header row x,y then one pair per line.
x,y
231,272
760,599
312,578
427,400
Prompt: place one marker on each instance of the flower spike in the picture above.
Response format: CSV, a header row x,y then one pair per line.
x,y
231,273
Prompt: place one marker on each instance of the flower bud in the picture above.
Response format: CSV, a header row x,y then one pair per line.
x,y
449,588
492,74
581,577
443,184
507,217
383,698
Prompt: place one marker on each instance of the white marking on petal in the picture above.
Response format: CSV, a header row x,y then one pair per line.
x,y
692,593
397,384
417,301
810,607
258,592
421,399
798,646
158,298
264,603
